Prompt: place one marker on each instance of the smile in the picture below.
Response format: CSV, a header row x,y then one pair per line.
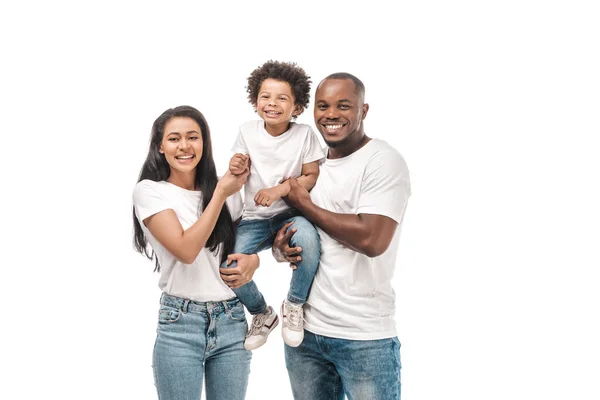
x,y
331,128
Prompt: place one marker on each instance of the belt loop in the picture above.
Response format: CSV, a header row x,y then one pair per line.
x,y
184,308
225,306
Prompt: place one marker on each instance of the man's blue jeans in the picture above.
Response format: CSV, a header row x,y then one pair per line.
x,y
326,368
255,235
196,340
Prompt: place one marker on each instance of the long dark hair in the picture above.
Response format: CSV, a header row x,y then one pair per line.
x,y
156,168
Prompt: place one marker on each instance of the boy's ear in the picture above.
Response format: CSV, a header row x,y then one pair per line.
x,y
297,110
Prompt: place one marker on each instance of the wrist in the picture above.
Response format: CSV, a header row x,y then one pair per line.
x,y
284,188
219,194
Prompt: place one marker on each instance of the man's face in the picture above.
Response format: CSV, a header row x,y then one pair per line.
x,y
339,111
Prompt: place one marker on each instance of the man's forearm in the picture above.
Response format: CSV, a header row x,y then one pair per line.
x,y
348,229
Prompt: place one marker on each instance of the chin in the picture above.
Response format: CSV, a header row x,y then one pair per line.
x,y
337,143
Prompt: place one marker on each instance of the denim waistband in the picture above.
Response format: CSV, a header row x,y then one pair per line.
x,y
187,305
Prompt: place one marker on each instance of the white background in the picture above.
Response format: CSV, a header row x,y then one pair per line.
x,y
494,105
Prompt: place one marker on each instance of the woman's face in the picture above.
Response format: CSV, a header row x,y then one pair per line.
x,y
182,144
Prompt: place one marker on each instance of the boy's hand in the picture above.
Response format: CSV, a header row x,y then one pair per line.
x,y
239,163
266,197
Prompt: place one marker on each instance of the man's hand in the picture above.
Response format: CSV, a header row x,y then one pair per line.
x,y
242,273
297,196
239,163
281,246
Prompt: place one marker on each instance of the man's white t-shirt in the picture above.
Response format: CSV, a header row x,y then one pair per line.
x,y
274,159
352,296
200,280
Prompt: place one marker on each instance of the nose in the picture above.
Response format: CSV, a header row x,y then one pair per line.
x,y
331,113
184,144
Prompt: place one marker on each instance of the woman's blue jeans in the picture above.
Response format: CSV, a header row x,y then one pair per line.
x,y
255,235
201,340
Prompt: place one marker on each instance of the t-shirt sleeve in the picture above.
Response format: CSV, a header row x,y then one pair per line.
x,y
147,201
240,146
386,186
235,205
312,150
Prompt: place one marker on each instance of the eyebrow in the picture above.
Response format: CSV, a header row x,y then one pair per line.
x,y
187,133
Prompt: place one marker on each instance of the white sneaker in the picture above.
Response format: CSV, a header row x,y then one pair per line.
x,y
293,323
262,325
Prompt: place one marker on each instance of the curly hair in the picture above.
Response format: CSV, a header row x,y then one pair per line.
x,y
288,72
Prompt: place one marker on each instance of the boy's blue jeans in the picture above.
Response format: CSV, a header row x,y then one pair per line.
x,y
254,235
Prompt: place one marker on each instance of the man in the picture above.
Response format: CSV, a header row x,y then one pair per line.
x,y
350,345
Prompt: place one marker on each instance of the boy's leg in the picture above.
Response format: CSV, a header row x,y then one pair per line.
x,y
308,239
253,236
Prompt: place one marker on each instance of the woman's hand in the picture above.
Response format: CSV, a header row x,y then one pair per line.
x,y
242,273
230,183
281,246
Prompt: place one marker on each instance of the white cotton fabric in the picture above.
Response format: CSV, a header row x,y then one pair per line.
x,y
274,159
351,296
200,280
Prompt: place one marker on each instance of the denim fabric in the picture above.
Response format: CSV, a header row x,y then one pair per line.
x,y
196,340
325,368
255,235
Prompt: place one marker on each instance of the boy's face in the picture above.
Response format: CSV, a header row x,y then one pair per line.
x,y
276,104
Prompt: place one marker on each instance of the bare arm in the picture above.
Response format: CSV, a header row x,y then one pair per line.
x,y
185,245
369,234
310,173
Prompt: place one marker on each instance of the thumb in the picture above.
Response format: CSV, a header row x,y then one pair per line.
x,y
231,258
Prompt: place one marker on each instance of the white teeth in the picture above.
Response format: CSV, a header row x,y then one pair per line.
x,y
184,157
333,127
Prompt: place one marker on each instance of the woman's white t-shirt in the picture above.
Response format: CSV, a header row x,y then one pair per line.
x,y
200,280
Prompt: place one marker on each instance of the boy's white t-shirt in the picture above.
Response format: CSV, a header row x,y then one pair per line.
x,y
274,159
200,280
351,296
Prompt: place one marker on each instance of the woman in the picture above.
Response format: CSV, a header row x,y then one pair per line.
x,y
185,214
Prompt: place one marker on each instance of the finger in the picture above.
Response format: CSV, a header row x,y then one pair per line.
x,y
293,266
282,232
229,271
289,233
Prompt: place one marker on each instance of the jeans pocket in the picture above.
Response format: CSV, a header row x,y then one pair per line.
x,y
168,315
236,313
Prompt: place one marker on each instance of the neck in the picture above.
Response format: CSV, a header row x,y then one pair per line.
x,y
185,180
345,149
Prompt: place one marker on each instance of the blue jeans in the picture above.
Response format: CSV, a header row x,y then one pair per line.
x,y
196,340
255,235
326,368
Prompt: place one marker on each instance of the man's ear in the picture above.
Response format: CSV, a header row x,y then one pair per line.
x,y
365,110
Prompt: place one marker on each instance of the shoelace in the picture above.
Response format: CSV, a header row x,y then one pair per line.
x,y
257,323
293,316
